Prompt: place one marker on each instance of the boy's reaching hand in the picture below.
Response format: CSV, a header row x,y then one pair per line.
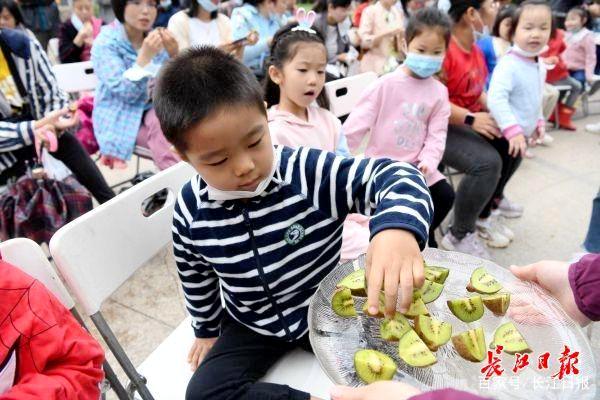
x,y
199,350
393,260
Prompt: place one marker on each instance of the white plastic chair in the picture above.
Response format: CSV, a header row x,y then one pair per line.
x,y
100,250
344,93
75,77
28,256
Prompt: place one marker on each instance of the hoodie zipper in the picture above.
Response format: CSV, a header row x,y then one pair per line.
x,y
261,274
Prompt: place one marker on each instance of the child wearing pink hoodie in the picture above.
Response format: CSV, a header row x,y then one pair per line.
x,y
407,111
295,80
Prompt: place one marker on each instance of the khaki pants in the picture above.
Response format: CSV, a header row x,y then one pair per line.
x,y
549,100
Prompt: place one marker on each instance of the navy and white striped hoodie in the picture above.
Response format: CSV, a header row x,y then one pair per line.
x,y
269,254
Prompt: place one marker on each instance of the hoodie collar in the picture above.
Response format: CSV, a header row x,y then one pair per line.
x,y
276,114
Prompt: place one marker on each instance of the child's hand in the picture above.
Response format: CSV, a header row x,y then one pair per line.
x,y
393,258
423,168
199,350
517,146
384,390
553,276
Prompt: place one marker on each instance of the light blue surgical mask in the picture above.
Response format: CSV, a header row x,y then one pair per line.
x,y
481,35
422,65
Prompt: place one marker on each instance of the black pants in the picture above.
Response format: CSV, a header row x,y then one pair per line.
x,y
509,165
442,196
239,358
74,156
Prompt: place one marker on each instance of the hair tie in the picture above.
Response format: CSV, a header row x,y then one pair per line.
x,y
305,21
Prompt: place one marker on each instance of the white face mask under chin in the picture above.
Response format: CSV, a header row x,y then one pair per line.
x,y
517,50
223,195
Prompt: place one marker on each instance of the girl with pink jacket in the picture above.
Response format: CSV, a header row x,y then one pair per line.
x,y
407,111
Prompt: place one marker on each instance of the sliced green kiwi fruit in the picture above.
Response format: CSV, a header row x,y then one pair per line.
x,y
508,336
355,282
467,309
381,312
342,303
414,351
435,333
483,282
430,291
436,274
393,329
417,307
497,303
372,366
471,345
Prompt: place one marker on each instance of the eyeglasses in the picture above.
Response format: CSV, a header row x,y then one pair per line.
x,y
141,3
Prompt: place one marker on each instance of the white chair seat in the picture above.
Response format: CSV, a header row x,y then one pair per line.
x,y
168,372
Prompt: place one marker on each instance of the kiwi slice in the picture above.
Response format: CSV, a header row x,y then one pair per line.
x,y
508,336
483,282
355,282
467,309
436,274
342,303
430,291
414,351
471,345
435,333
497,303
417,307
381,312
372,366
393,329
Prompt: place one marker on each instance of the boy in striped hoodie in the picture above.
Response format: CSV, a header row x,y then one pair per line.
x,y
262,225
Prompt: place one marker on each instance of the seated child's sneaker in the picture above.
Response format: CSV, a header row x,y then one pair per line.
x,y
488,229
593,128
498,221
509,209
470,244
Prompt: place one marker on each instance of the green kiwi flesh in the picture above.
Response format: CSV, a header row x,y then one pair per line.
x,y
393,329
508,336
414,351
435,333
471,345
497,303
381,312
483,282
417,307
355,282
430,291
467,309
372,366
342,303
436,274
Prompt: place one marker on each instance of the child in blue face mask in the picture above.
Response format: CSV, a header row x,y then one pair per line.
x,y
407,111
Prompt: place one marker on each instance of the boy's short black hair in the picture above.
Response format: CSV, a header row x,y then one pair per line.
x,y
428,18
118,7
197,83
458,8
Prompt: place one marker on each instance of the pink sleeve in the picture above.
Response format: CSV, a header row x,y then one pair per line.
x,y
590,56
584,278
437,129
447,394
363,116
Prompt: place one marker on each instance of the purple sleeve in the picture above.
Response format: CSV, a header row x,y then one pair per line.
x,y
584,277
447,394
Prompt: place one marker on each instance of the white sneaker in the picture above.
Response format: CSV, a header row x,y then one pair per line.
x,y
489,229
470,244
508,209
546,140
593,128
498,220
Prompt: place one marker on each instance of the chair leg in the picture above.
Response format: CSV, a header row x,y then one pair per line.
x,y
137,381
109,373
585,105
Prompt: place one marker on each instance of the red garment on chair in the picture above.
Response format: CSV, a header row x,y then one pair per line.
x,y
85,134
55,357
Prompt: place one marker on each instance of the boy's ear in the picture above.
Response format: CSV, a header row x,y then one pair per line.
x,y
275,74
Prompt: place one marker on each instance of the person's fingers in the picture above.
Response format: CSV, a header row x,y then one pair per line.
x,y
418,273
406,285
196,358
193,349
390,282
375,279
347,393
525,273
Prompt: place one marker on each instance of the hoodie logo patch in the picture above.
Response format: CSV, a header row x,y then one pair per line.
x,y
294,234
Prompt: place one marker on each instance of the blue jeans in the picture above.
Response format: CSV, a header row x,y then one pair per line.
x,y
579,75
592,240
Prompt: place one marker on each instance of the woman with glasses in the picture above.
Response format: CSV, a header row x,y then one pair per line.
x,y
127,56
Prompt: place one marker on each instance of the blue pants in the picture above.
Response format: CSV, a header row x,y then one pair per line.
x,y
592,240
579,75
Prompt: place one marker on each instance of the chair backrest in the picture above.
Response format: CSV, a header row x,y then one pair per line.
x,y
29,257
344,93
75,77
100,250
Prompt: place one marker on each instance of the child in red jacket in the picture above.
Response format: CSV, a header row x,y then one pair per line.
x,y
44,351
